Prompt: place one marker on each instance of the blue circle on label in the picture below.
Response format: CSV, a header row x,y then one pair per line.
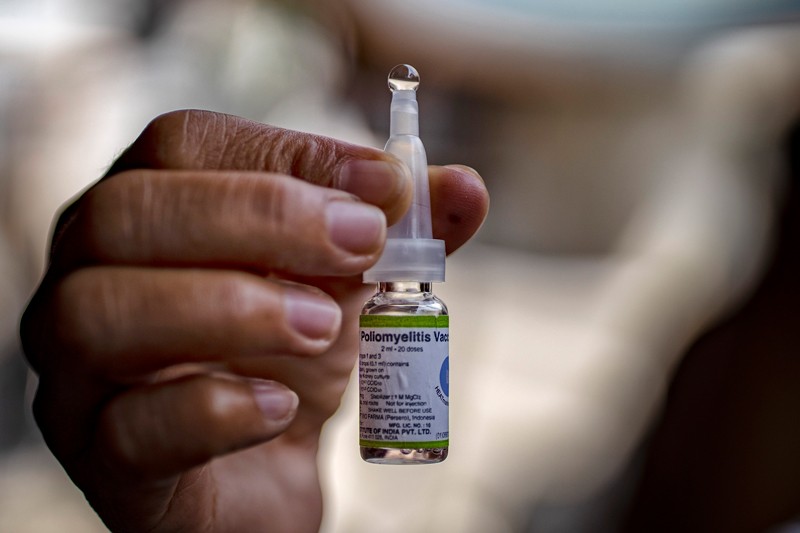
x,y
444,376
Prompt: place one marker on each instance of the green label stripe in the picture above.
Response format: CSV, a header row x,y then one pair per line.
x,y
405,321
396,444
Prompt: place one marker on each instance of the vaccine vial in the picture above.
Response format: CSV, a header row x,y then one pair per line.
x,y
404,372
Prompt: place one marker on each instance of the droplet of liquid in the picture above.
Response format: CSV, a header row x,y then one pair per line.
x,y
403,78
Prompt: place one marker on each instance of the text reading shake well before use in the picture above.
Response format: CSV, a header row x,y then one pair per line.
x,y
403,364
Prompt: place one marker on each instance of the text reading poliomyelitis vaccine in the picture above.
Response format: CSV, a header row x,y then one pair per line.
x,y
404,378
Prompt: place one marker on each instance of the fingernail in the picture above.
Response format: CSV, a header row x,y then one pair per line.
x,y
375,182
355,226
275,401
310,315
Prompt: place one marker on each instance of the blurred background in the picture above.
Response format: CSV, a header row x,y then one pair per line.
x,y
625,336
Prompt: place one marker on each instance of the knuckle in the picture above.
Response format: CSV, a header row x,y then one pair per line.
x,y
252,305
113,220
290,213
213,399
273,208
238,294
254,309
312,155
120,439
258,202
169,140
85,308
171,123
96,220
286,215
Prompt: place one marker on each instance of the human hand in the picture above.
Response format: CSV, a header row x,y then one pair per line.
x,y
187,331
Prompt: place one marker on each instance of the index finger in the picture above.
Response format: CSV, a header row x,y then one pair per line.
x,y
196,140
205,140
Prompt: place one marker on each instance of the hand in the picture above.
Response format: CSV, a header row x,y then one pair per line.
x,y
187,331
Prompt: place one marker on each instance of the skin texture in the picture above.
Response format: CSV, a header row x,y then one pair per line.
x,y
197,322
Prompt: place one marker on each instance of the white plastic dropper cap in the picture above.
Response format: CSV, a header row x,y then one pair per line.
x,y
411,252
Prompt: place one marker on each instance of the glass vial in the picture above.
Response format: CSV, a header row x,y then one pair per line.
x,y
404,375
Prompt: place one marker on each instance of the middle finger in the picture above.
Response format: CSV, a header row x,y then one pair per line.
x,y
255,221
154,318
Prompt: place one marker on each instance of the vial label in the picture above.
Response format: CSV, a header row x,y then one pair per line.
x,y
404,381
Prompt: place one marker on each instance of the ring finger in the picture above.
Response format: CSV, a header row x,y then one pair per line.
x,y
154,318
